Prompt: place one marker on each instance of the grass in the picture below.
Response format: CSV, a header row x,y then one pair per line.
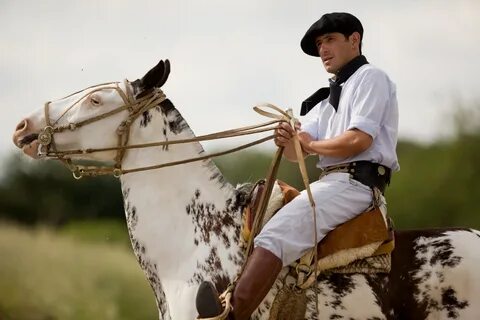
x,y
46,275
99,231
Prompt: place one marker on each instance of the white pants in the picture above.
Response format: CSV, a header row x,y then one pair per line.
x,y
290,234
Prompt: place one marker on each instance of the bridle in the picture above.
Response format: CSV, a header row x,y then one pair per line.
x,y
135,107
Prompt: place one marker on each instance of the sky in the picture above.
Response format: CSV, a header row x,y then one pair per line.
x,y
228,56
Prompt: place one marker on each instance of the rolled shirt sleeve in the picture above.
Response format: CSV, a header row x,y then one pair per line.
x,y
369,102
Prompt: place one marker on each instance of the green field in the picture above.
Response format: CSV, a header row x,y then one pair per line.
x,y
47,275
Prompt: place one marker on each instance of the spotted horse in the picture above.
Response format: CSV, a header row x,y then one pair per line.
x,y
185,221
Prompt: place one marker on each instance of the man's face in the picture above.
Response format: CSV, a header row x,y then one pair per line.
x,y
336,50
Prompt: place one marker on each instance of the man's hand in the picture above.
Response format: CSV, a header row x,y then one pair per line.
x,y
284,133
306,141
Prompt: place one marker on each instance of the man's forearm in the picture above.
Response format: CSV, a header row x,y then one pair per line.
x,y
349,144
290,154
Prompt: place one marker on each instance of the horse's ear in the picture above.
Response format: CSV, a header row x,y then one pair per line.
x,y
157,76
166,73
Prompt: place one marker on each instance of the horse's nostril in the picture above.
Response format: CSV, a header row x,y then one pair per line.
x,y
22,125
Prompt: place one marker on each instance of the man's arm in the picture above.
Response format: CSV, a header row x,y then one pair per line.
x,y
348,144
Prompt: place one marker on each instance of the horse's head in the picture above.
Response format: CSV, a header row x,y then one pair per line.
x,y
96,117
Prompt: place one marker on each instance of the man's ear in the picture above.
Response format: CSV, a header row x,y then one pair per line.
x,y
355,38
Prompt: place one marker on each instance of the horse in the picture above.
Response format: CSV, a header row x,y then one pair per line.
x,y
184,221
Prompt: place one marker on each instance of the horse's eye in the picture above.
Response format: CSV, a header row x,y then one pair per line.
x,y
95,100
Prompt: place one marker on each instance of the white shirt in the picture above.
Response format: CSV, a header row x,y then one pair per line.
x,y
368,102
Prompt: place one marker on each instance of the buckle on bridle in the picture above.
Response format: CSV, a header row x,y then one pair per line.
x,y
42,151
77,174
45,136
117,172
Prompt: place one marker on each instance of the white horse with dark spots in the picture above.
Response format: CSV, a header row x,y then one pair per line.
x,y
185,221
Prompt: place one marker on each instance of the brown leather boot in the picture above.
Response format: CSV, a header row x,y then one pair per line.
x,y
257,278
255,281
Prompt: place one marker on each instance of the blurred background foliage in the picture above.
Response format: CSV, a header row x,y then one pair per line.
x,y
65,251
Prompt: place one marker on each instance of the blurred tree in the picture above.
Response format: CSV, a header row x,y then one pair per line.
x,y
250,166
438,184
45,191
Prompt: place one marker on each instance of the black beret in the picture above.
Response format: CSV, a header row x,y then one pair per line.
x,y
342,22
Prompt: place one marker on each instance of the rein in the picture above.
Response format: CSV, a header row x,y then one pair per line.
x,y
136,107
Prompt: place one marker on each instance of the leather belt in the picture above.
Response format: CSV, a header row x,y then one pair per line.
x,y
368,173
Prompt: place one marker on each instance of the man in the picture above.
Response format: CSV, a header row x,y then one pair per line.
x,y
353,131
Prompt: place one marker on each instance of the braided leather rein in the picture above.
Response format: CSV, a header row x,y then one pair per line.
x,y
135,107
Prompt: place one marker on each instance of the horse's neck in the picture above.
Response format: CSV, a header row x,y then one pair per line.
x,y
184,221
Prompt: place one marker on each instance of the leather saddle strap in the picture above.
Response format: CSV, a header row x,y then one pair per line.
x,y
263,203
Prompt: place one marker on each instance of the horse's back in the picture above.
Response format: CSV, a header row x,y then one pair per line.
x,y
434,274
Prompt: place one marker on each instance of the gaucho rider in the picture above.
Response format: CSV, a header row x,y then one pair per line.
x,y
351,125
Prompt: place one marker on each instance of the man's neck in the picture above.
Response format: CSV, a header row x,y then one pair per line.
x,y
335,75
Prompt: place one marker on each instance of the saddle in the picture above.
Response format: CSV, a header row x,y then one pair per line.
x,y
360,245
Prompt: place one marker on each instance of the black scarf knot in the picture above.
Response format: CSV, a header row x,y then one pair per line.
x,y
335,89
